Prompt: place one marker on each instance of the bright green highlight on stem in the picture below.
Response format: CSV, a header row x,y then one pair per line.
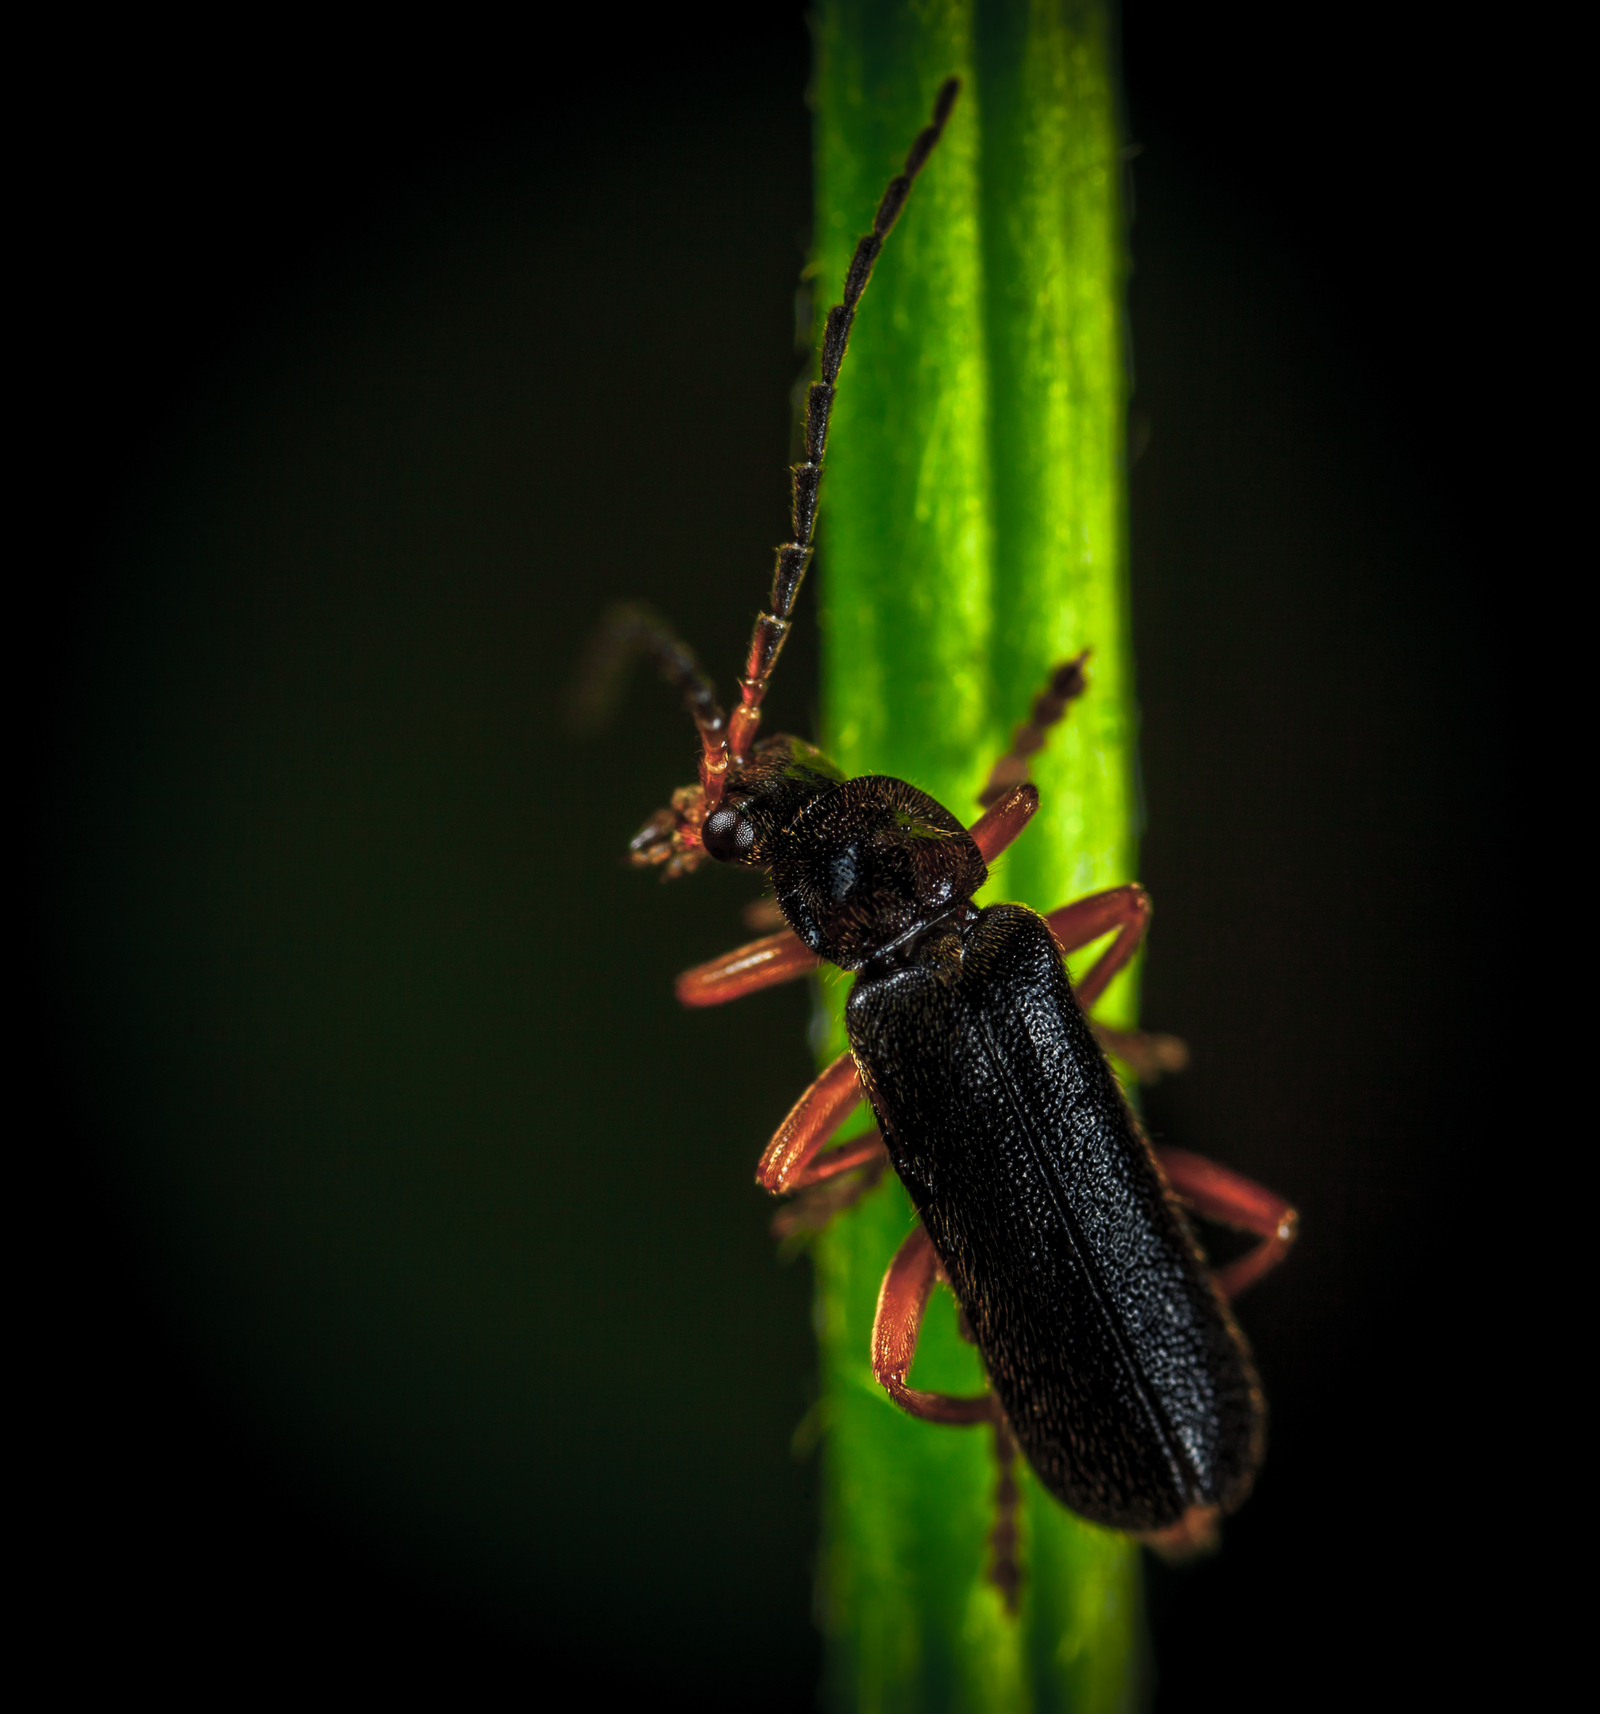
x,y
973,535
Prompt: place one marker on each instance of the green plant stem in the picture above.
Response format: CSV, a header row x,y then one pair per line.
x,y
973,535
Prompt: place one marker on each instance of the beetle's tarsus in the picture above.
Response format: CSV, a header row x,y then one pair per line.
x,y
1228,1197
813,1210
1005,1570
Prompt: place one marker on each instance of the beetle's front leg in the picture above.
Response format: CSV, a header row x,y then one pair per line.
x,y
1125,909
764,963
1231,1199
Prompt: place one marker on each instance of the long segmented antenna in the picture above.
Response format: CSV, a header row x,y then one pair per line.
x,y
630,628
772,628
1067,683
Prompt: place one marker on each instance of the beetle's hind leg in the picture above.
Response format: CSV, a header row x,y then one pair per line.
x,y
1192,1537
1005,1569
1218,1193
902,1299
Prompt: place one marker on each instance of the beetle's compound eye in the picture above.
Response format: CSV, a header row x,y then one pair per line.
x,y
727,835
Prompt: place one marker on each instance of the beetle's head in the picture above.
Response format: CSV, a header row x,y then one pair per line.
x,y
865,867
763,795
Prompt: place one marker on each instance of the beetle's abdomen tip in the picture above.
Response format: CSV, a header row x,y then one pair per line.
x,y
1195,1535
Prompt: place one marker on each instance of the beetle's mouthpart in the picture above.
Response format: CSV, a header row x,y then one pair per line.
x,y
670,839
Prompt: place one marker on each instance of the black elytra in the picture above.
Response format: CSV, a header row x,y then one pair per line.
x,y
1124,1376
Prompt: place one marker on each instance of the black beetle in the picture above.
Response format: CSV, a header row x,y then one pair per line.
x,y
1112,1355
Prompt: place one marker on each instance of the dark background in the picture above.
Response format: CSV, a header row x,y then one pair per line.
x,y
407,1314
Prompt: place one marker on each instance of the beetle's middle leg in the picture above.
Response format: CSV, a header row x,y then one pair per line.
x,y
794,1159
1127,910
1228,1197
790,1161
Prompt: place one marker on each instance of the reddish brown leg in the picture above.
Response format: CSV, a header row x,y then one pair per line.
x,y
811,1121
763,963
831,1192
1147,1054
1125,909
859,1151
901,1301
762,916
1231,1199
794,1160
994,830
1004,1571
